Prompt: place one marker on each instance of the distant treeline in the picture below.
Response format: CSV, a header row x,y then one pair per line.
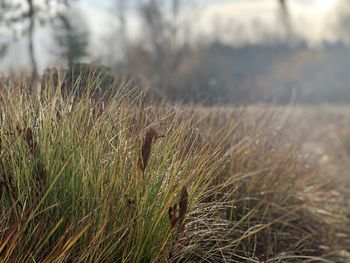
x,y
166,58
268,73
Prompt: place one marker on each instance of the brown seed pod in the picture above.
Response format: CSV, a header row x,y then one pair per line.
x,y
172,215
178,215
183,203
151,135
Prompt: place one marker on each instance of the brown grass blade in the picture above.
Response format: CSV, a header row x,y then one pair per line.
x,y
9,185
2,188
9,234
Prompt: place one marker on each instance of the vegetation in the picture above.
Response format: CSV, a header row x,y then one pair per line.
x,y
143,182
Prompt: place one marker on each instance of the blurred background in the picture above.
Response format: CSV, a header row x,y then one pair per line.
x,y
198,51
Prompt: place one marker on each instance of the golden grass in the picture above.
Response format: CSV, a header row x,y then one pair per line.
x,y
218,184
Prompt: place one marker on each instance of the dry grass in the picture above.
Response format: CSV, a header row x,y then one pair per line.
x,y
217,185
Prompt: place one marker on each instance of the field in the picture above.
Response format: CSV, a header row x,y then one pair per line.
x,y
126,179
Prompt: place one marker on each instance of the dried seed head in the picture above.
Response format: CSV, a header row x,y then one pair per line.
x,y
151,135
178,216
31,141
172,215
183,203
19,130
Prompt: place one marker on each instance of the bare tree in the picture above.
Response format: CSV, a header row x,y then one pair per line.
x,y
31,28
154,21
122,18
14,15
176,5
116,41
71,35
286,19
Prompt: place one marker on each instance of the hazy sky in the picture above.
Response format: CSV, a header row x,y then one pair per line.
x,y
236,20
311,18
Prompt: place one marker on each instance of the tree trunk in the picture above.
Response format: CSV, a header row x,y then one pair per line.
x,y
286,21
31,16
121,5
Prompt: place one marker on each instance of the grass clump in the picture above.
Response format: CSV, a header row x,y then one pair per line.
x,y
138,182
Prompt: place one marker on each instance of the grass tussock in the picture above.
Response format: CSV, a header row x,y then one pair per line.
x,y
138,182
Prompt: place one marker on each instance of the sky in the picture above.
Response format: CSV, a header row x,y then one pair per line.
x,y
312,19
235,21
